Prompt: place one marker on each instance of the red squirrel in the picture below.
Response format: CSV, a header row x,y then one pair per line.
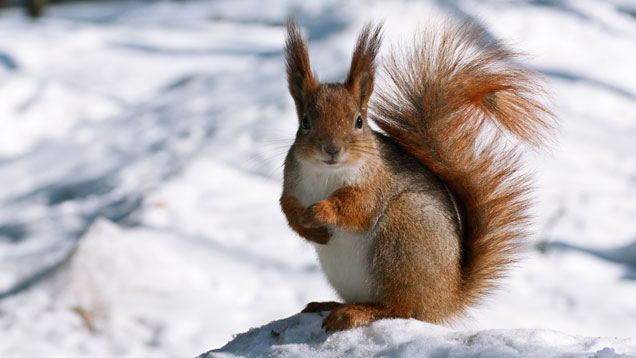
x,y
422,219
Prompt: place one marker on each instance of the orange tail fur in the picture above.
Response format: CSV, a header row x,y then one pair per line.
x,y
450,104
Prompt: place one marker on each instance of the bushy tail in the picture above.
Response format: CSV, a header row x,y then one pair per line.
x,y
453,101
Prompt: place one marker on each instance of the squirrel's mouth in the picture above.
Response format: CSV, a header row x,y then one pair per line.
x,y
330,162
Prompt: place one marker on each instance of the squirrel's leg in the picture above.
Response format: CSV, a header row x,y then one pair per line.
x,y
351,315
293,211
415,266
416,259
349,208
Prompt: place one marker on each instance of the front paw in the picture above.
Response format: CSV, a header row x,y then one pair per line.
x,y
319,214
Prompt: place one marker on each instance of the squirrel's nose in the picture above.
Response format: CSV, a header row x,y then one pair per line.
x,y
331,149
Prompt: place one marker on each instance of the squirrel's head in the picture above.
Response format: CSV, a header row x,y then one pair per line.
x,y
332,117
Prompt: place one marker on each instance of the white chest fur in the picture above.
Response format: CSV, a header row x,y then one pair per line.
x,y
344,259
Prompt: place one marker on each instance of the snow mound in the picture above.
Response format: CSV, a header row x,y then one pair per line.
x,y
301,335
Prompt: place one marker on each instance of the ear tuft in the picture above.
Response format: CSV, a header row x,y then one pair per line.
x,y
362,72
300,79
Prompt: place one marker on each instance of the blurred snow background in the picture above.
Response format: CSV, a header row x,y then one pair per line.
x,y
141,145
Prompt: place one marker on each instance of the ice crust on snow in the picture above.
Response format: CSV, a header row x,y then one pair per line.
x,y
301,335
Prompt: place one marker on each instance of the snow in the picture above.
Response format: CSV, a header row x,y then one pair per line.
x,y
302,336
141,146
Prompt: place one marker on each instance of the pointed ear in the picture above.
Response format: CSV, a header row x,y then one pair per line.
x,y
361,74
300,80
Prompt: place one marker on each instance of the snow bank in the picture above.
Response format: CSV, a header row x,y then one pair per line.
x,y
151,291
302,336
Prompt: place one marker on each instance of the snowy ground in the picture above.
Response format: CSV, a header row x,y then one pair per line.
x,y
302,336
146,138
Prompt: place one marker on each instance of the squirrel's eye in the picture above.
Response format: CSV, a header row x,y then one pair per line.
x,y
305,123
359,122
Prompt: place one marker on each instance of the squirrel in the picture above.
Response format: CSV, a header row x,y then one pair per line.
x,y
422,218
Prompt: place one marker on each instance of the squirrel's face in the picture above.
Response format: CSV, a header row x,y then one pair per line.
x,y
332,118
333,130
